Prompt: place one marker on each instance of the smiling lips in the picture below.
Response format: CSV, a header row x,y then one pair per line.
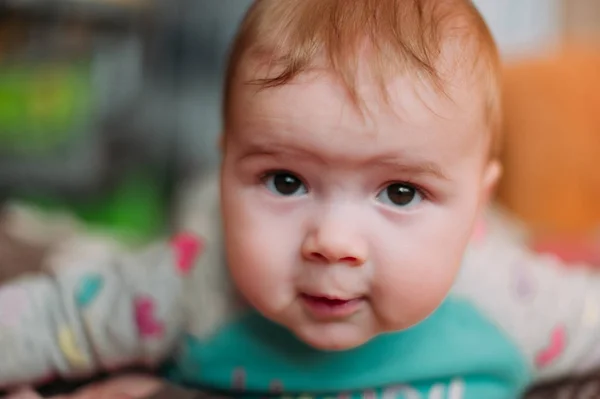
x,y
326,308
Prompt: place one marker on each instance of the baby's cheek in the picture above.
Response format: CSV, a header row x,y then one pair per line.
x,y
261,268
405,295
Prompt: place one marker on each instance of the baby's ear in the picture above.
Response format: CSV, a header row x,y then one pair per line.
x,y
492,173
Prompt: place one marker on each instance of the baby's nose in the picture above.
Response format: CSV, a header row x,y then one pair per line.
x,y
331,245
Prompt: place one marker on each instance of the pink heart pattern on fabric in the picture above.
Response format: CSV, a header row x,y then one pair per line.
x,y
187,247
145,317
555,347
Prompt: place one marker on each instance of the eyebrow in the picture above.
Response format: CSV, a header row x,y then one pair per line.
x,y
410,167
277,150
413,167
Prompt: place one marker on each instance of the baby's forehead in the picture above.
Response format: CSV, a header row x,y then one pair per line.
x,y
316,107
370,91
404,95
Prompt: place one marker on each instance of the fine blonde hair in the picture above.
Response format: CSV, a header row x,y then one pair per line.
x,y
405,36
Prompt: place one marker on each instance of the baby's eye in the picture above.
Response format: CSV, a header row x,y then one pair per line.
x,y
284,183
400,195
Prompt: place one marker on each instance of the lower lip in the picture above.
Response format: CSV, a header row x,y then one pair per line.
x,y
322,308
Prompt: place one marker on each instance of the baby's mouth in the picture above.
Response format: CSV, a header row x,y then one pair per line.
x,y
326,300
327,307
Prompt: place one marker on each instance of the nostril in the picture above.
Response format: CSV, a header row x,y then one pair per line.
x,y
318,257
349,259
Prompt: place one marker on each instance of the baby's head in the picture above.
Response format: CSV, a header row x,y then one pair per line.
x,y
358,152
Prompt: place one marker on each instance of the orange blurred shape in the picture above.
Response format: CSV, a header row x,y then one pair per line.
x,y
552,141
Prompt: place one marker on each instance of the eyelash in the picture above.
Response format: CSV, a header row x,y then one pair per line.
x,y
263,176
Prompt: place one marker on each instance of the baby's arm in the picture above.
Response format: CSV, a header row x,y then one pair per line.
x,y
551,311
99,313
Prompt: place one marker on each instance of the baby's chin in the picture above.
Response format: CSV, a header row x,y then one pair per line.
x,y
345,335
334,336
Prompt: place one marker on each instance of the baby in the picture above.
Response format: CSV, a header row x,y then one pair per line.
x,y
334,256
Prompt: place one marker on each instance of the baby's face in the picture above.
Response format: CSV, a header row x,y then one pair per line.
x,y
341,227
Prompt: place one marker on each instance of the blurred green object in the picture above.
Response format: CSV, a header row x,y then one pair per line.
x,y
42,105
134,212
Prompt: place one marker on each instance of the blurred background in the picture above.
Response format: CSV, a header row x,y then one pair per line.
x,y
109,107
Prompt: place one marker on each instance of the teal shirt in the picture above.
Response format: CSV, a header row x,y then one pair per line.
x,y
456,353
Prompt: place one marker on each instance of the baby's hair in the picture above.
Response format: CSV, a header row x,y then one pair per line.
x,y
403,36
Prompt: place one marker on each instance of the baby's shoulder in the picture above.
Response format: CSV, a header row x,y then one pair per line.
x,y
522,293
211,299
